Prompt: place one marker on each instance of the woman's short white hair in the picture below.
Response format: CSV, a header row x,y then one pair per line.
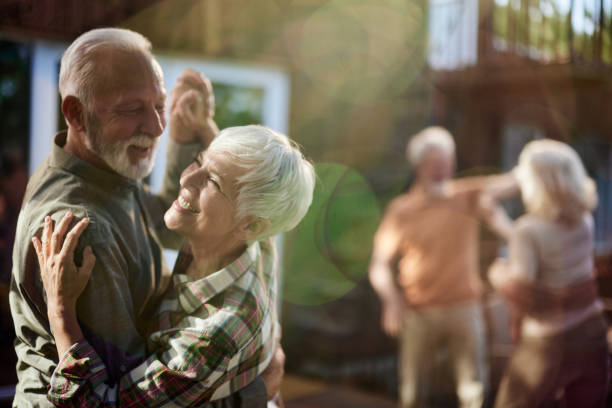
x,y
78,65
553,181
278,181
433,137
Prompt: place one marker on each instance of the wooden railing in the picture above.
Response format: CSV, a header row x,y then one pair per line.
x,y
550,31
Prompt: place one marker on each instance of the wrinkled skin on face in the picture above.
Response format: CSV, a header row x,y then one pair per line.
x,y
127,117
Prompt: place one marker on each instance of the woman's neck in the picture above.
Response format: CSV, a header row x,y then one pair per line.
x,y
208,259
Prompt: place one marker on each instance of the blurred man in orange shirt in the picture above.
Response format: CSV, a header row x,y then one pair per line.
x,y
425,268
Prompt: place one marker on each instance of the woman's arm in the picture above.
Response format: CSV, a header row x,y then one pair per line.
x,y
189,365
63,282
495,216
501,186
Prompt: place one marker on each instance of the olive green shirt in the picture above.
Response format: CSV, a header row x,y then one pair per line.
x,y
126,232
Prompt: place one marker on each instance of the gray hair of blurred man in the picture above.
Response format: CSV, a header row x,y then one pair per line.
x,y
79,68
554,183
278,181
433,137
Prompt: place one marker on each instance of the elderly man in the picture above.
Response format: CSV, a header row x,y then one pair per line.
x,y
425,269
113,100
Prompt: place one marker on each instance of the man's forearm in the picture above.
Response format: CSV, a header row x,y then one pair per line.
x,y
501,187
178,157
180,154
208,132
381,278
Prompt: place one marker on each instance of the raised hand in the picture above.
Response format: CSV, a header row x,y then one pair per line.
x,y
193,80
192,108
62,280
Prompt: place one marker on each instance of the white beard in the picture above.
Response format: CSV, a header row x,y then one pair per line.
x,y
115,155
437,190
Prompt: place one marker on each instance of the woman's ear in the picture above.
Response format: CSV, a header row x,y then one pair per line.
x,y
256,227
73,111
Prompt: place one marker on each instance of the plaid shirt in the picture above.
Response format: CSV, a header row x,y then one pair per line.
x,y
216,335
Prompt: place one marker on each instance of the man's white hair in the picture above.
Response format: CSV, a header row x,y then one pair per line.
x,y
278,181
433,137
79,63
553,181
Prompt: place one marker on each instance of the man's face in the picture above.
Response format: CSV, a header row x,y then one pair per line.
x,y
128,117
436,167
206,208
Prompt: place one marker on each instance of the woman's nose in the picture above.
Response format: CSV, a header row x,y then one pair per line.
x,y
192,176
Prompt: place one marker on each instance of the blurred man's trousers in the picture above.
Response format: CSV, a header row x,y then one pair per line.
x,y
459,330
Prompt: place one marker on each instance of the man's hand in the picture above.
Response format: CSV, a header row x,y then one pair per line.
x,y
382,279
392,315
273,374
192,107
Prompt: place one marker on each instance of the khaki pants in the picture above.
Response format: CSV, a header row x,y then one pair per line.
x,y
575,361
460,328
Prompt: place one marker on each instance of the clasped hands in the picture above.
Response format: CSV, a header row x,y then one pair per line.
x,y
192,107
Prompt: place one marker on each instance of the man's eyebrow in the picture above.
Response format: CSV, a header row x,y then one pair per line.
x,y
129,103
127,99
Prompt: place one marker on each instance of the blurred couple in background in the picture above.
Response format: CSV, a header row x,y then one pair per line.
x,y
425,269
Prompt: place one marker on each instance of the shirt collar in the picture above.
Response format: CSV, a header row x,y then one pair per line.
x,y
192,294
89,173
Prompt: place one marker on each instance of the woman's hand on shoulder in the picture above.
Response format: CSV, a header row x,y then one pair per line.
x,y
62,280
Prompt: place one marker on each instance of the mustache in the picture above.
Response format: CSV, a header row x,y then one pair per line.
x,y
142,141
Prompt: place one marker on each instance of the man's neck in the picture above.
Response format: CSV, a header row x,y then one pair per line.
x,y
75,145
433,189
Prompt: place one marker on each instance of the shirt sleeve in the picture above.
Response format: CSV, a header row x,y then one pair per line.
x,y
113,333
79,368
186,374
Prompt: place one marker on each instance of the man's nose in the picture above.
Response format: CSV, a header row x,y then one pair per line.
x,y
154,122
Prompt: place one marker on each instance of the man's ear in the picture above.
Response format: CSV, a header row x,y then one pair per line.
x,y
74,112
256,227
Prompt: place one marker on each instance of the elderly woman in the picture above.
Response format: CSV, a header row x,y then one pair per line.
x,y
548,282
217,327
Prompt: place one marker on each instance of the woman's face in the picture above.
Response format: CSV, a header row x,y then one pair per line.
x,y
206,206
